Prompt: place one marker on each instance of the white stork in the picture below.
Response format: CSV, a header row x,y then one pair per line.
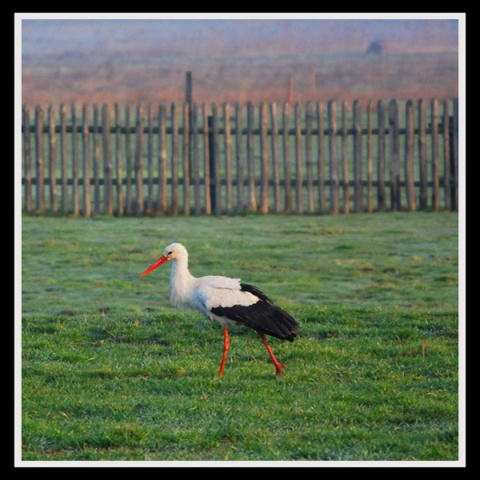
x,y
226,301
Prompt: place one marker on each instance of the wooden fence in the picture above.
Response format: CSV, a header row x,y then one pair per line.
x,y
190,159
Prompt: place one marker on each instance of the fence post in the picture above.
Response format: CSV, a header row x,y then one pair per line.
x,y
346,176
450,157
195,160
381,157
118,161
27,160
286,158
174,159
228,154
39,160
86,164
369,159
357,156
52,143
298,158
454,158
212,149
446,127
138,167
435,174
322,205
409,178
162,159
264,159
187,166
149,202
309,157
275,166
189,121
188,88
394,156
239,155
96,159
252,202
206,160
128,166
453,131
107,160
75,160
422,155
332,120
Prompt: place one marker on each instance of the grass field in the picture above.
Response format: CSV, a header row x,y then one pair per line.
x,y
110,371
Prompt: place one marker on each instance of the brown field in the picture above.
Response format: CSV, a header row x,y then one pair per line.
x,y
257,69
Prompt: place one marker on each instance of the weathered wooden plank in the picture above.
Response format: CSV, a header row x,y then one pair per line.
x,y
75,189
162,159
138,163
107,162
196,160
87,202
346,176
264,172
52,164
150,175
381,144
206,158
218,210
409,152
454,155
252,201
186,159
298,159
239,155
394,156
96,159
446,157
357,156
129,201
287,158
435,159
422,155
27,161
215,179
228,157
322,203
39,159
308,156
275,159
332,147
369,158
174,160
118,161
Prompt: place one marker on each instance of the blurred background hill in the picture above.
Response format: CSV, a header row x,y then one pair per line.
x,y
129,61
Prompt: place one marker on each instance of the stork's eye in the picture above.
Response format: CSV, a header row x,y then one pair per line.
x,y
169,254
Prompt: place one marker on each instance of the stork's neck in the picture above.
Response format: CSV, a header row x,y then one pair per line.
x,y
181,283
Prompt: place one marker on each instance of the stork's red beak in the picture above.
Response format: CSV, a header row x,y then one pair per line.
x,y
155,265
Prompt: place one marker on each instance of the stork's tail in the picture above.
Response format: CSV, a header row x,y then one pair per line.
x,y
280,324
274,320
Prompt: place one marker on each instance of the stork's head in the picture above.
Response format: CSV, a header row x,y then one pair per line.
x,y
174,251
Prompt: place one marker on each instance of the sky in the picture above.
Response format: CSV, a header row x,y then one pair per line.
x,y
53,36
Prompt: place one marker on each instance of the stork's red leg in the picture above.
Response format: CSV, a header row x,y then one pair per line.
x,y
272,356
226,344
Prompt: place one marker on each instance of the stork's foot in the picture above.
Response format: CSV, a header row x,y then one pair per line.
x,y
278,370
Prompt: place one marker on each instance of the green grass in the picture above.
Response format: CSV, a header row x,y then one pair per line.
x,y
110,371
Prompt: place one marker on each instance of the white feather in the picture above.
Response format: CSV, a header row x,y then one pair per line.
x,y
204,293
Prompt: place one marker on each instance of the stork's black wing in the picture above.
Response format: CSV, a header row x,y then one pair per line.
x,y
263,316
